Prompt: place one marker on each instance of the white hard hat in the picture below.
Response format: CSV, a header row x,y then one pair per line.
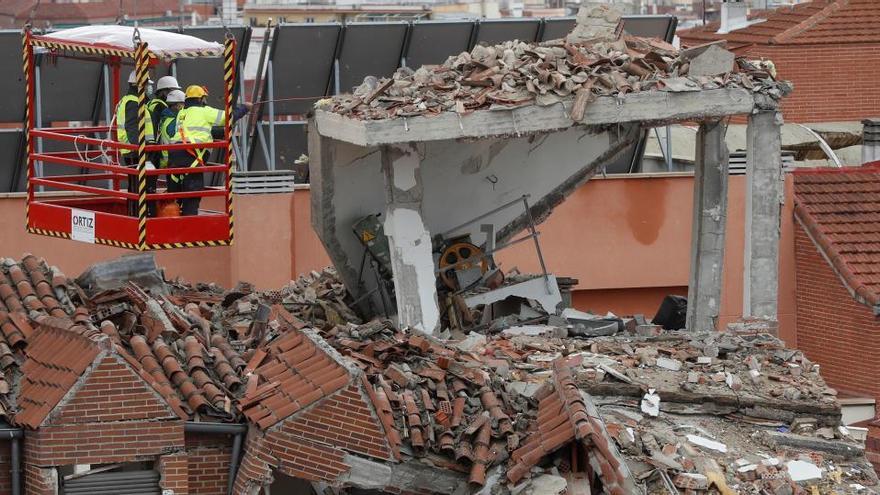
x,y
167,82
132,78
174,96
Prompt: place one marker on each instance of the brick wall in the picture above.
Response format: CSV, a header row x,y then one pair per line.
x,y
345,420
5,467
832,328
173,472
312,445
831,82
292,455
94,443
872,445
40,481
111,392
208,463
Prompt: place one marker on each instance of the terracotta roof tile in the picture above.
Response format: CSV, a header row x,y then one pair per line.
x,y
294,373
840,209
55,361
820,21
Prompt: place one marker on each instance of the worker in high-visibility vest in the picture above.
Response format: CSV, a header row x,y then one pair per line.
x,y
164,86
127,132
168,133
195,124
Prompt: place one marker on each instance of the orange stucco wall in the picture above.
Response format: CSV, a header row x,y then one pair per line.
x,y
625,238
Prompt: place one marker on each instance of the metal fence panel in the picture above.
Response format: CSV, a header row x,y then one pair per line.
x,y
557,27
68,89
9,166
290,143
12,80
369,49
494,32
432,42
302,62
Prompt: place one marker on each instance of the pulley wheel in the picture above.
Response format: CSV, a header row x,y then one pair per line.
x,y
462,256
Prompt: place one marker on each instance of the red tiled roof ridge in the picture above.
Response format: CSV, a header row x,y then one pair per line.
x,y
172,401
56,360
797,24
854,286
792,32
843,247
299,370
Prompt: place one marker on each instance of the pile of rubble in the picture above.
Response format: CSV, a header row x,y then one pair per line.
x,y
529,409
594,60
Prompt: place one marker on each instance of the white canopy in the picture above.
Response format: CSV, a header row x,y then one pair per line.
x,y
164,44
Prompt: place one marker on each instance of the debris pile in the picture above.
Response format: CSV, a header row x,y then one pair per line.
x,y
575,71
531,408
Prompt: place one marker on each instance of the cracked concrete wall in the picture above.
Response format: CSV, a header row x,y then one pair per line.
x,y
457,181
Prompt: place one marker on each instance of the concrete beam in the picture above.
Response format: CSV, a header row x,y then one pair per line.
x,y
707,234
764,198
412,261
650,107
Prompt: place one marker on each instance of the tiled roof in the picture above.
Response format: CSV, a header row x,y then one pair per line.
x,y
83,11
840,210
820,21
56,359
294,373
563,417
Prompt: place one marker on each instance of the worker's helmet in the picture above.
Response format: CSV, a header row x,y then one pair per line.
x,y
167,82
174,96
196,91
132,78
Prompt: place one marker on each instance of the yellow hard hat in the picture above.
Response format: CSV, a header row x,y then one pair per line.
x,y
196,91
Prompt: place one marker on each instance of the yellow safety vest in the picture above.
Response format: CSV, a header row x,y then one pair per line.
x,y
166,138
194,126
120,123
156,105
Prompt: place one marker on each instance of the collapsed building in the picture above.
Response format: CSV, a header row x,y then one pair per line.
x,y
418,365
122,381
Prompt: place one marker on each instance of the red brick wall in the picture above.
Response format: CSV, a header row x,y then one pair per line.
x,y
345,420
831,82
292,455
208,463
833,329
872,446
112,392
5,466
313,444
95,443
173,472
37,481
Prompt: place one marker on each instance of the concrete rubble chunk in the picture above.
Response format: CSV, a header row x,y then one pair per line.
x,y
706,443
803,471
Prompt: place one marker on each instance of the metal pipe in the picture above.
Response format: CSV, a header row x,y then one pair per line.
x,y
233,462
214,428
14,435
271,84
15,462
236,429
38,110
534,232
484,215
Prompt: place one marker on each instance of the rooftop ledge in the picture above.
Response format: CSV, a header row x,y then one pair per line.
x,y
649,107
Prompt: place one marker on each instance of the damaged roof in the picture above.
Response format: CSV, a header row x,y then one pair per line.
x,y
643,409
840,210
816,22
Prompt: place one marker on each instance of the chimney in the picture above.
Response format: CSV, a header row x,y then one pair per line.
x,y
870,140
734,15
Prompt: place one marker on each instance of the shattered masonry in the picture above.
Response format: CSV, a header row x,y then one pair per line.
x,y
330,399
